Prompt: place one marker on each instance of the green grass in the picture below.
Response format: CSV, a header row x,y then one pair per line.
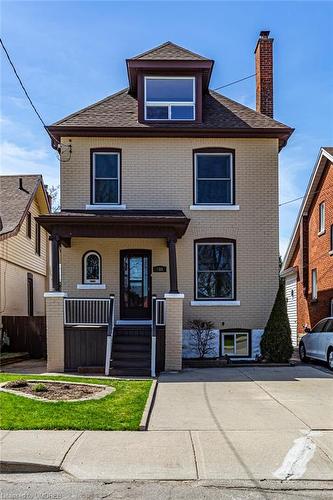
x,y
120,411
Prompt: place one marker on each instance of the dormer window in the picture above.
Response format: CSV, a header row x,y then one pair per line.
x,y
169,98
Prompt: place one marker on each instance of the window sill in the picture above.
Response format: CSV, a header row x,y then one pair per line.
x,y
321,232
92,286
215,303
105,207
214,207
330,252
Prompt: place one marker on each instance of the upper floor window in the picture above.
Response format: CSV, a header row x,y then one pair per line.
x,y
29,225
213,179
37,241
314,285
331,239
169,98
322,217
215,270
92,268
106,178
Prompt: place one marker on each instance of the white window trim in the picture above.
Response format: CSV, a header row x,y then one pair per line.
x,y
169,104
106,207
85,280
105,178
90,286
314,284
321,218
196,203
235,345
215,207
215,303
217,300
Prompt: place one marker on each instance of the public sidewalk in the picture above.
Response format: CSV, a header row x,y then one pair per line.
x,y
171,455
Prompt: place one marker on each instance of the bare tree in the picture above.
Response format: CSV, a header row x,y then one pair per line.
x,y
55,198
202,336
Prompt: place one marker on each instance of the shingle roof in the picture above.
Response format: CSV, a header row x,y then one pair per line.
x,y
14,202
169,51
121,110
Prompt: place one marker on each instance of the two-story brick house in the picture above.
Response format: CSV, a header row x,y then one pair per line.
x,y
308,263
171,189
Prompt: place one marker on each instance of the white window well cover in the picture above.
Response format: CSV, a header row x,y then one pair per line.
x,y
169,98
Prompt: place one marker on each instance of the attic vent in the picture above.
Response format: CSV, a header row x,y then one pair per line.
x,y
21,188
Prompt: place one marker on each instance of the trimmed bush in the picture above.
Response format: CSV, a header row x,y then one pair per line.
x,y
40,388
276,345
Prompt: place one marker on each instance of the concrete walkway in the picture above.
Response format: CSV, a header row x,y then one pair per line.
x,y
224,424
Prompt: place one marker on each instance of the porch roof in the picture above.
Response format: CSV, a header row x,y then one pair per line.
x,y
116,224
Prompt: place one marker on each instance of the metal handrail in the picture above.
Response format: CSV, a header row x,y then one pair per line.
x,y
153,338
109,337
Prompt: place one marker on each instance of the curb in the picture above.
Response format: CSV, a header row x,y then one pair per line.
x,y
19,467
148,407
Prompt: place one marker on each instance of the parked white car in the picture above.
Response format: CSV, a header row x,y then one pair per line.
x,y
318,343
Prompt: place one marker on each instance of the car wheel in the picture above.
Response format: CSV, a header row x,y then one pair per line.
x,y
302,353
330,359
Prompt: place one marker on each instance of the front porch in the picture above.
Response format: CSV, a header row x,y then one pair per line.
x,y
122,312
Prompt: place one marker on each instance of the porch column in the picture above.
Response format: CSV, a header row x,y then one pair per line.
x,y
173,265
173,331
55,243
55,336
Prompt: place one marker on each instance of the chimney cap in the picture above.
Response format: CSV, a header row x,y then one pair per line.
x,y
264,34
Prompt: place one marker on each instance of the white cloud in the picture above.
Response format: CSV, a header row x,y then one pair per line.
x,y
16,159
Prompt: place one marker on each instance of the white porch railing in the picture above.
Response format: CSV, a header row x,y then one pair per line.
x,y
160,312
93,312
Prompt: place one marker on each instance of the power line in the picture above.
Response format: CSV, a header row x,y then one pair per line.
x,y
236,81
291,201
26,93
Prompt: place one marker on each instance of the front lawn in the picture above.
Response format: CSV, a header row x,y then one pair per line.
x,y
120,411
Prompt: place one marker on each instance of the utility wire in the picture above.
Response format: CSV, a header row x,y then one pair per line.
x,y
291,201
26,92
236,81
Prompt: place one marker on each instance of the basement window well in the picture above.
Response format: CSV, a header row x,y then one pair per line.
x,y
235,343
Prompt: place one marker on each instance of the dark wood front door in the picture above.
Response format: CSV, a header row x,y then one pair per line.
x,y
135,284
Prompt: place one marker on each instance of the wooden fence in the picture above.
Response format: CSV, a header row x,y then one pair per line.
x,y
26,334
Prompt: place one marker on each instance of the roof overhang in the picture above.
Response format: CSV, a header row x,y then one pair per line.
x,y
170,224
323,158
135,66
282,134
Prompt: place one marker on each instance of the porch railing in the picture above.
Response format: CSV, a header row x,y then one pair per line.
x,y
93,312
160,312
158,319
109,337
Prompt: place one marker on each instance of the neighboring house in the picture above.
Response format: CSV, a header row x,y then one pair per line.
x,y
23,245
168,188
308,263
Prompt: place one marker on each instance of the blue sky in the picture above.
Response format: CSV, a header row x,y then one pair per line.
x,y
71,53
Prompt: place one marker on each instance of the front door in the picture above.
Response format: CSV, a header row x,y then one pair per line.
x,y
135,284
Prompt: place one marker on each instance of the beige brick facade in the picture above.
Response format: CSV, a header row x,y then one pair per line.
x,y
157,173
173,333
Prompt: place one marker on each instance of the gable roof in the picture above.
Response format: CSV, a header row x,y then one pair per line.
x,y
15,202
169,51
325,154
117,114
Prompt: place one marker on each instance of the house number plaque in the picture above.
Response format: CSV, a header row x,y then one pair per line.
x,y
159,269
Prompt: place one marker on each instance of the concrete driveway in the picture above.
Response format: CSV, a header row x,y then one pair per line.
x,y
252,422
244,399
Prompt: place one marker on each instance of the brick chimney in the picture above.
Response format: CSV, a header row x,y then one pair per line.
x,y
264,74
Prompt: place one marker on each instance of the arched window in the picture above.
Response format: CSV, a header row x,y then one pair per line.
x,y
92,268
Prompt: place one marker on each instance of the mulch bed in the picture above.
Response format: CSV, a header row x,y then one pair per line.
x,y
54,391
